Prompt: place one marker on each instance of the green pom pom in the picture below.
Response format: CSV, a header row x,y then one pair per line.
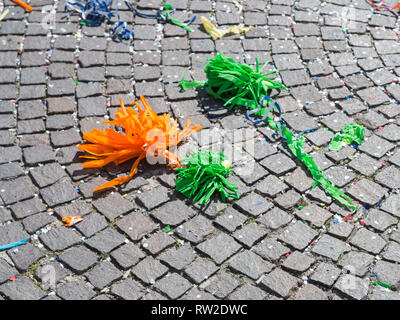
x,y
237,84
203,174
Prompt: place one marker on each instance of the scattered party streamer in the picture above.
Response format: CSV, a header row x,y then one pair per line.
x,y
144,132
383,7
351,133
239,85
203,174
71,220
4,14
384,285
236,84
216,33
169,10
295,145
27,7
13,245
94,12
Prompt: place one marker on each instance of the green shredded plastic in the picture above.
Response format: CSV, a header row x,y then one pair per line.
x,y
388,286
237,84
296,147
203,174
174,21
351,133
167,228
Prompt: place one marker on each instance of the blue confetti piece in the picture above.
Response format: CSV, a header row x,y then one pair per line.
x,y
259,202
14,244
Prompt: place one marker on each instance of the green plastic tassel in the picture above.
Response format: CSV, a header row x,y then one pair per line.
x,y
237,84
351,133
203,174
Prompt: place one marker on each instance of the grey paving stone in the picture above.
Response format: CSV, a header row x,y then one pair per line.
x,y
92,224
271,186
196,229
358,263
275,218
149,270
25,256
9,154
358,288
271,249
379,220
59,193
222,284
250,234
59,238
200,270
340,230
326,274
106,240
368,240
28,207
298,262
280,282
22,289
47,174
34,222
15,190
128,289
136,225
173,213
127,255
75,290
173,285
330,247
219,248
392,204
389,177
79,258
103,274
154,197
178,258
250,264
109,208
6,271
288,199
310,292
43,272
387,272
384,294
365,164
158,242
298,235
366,191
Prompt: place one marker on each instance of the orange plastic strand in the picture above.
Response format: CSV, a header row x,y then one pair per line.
x,y
143,131
27,7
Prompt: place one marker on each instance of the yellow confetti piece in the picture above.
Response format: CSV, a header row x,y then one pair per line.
x,y
216,33
238,5
4,14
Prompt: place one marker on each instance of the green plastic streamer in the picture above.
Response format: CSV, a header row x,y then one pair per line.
x,y
351,133
203,174
296,147
174,21
237,84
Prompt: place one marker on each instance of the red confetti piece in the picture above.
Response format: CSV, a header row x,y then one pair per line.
x,y
12,278
347,217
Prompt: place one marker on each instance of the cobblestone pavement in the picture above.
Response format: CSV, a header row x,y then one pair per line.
x,y
341,60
